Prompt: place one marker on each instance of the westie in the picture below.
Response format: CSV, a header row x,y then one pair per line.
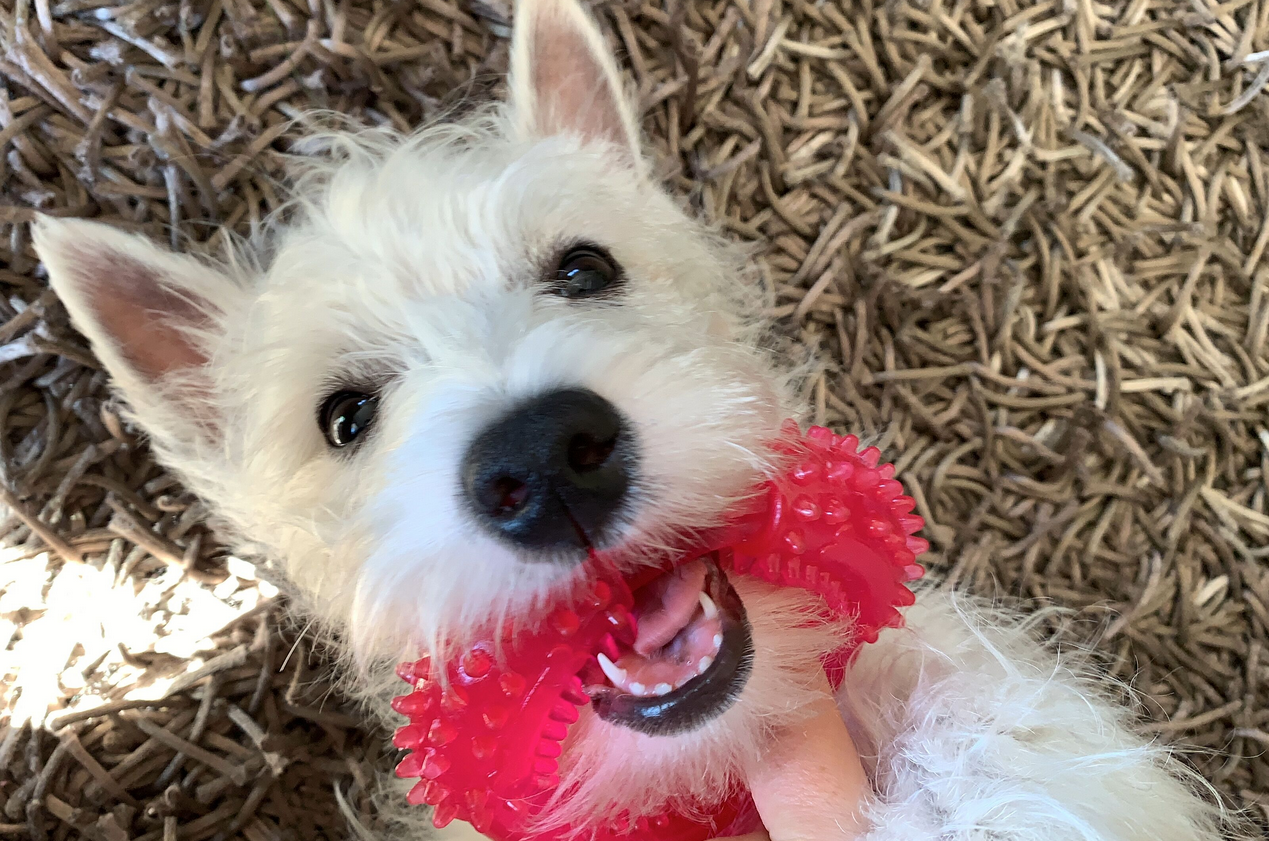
x,y
463,359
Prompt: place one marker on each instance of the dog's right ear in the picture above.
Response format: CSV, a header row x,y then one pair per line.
x,y
564,80
152,317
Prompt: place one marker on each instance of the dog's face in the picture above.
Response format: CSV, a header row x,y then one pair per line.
x,y
465,361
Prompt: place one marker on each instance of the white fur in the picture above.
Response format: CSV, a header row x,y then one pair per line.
x,y
971,729
414,266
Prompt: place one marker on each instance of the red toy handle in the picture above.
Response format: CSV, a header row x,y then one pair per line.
x,y
485,736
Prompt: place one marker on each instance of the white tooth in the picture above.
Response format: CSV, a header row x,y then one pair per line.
x,y
637,689
707,605
718,641
705,663
615,674
662,689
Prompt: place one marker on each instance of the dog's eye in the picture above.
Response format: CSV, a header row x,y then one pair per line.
x,y
345,416
585,271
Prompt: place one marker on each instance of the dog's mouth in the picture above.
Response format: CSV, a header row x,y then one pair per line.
x,y
690,658
486,737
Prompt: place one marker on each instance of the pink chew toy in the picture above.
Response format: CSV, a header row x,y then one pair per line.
x,y
486,741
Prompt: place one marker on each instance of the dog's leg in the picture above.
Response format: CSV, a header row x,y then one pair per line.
x,y
972,729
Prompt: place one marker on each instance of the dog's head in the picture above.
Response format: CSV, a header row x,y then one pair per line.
x,y
462,361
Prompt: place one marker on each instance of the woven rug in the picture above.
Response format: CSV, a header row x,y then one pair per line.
x,y
1028,239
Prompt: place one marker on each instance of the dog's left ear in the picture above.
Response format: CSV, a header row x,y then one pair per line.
x,y
564,80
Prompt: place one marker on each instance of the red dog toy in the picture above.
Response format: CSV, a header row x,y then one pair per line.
x,y
485,742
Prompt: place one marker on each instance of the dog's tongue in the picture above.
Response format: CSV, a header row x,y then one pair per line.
x,y
666,605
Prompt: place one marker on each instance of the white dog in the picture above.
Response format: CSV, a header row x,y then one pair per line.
x,y
463,359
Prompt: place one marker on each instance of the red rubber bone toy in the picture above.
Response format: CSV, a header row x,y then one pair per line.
x,y
485,742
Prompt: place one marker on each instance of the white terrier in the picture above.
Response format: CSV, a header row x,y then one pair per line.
x,y
465,358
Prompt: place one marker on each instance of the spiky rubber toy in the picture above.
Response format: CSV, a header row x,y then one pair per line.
x,y
485,740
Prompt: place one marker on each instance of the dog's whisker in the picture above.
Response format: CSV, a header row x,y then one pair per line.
x,y
298,639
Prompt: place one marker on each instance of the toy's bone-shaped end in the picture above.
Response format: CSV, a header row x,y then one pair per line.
x,y
486,738
838,524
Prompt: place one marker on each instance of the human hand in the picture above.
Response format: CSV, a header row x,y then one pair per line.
x,y
811,785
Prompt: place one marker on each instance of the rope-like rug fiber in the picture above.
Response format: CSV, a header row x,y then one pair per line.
x,y
1028,237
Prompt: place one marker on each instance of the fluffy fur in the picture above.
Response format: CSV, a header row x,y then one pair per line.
x,y
414,268
971,729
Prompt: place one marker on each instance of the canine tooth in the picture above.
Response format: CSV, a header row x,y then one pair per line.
x,y
707,605
718,641
662,689
705,663
616,674
637,688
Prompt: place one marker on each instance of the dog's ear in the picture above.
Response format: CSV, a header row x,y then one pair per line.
x,y
150,315
564,80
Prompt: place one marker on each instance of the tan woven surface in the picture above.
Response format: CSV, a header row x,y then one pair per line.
x,y
1029,237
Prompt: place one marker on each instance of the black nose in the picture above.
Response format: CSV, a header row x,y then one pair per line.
x,y
553,473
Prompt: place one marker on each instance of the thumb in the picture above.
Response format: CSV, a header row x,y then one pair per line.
x,y
811,785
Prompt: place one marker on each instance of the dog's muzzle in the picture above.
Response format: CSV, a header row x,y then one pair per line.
x,y
655,649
